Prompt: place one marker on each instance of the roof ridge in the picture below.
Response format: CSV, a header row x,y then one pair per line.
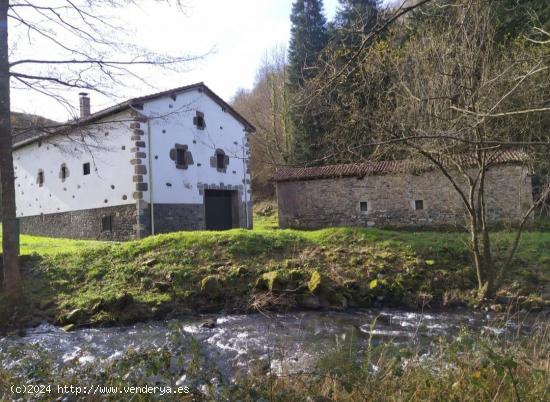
x,y
360,169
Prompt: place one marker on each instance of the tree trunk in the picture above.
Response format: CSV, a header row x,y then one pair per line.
x,y
10,239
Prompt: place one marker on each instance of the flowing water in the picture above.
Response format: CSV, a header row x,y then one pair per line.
x,y
292,341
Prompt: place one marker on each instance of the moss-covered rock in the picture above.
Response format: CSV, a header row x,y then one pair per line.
x,y
210,285
314,284
269,281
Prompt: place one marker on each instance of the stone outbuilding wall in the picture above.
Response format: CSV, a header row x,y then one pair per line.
x,y
396,200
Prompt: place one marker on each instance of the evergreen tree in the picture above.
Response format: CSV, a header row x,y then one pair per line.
x,y
308,37
307,40
355,18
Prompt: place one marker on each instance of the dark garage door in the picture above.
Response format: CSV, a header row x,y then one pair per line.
x,y
217,205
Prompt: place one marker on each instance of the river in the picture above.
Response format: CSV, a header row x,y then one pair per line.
x,y
289,342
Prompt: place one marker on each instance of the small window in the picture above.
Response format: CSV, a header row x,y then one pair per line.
x,y
220,161
418,204
363,206
40,179
180,157
63,172
86,168
199,121
107,223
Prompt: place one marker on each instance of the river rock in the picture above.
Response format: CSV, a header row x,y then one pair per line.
x,y
270,280
312,302
314,282
73,316
210,323
210,285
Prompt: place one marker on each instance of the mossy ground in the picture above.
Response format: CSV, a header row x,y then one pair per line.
x,y
72,282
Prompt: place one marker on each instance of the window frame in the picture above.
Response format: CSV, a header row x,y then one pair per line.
x,y
86,169
366,206
418,205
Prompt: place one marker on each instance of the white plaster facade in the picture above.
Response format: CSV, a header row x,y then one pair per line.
x,y
142,132
170,123
106,147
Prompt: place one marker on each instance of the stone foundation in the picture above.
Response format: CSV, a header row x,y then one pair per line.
x,y
390,200
177,217
128,222
85,224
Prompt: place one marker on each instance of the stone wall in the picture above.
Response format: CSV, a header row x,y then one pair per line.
x,y
177,217
85,224
390,200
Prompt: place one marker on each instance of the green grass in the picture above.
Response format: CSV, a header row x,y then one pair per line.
x,y
52,246
170,274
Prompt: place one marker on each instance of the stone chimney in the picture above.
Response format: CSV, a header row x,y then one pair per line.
x,y
84,105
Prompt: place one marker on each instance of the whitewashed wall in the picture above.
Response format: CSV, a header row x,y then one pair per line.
x,y
110,181
172,123
108,184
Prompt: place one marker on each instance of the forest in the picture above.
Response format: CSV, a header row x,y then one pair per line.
x,y
391,81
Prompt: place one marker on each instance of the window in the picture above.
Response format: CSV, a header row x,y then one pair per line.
x,y
107,223
86,168
40,178
199,121
220,161
418,204
180,156
363,206
64,173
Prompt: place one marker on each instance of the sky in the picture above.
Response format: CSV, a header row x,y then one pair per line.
x,y
236,36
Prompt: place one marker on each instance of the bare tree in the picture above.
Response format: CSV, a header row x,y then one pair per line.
x,y
267,107
447,94
91,54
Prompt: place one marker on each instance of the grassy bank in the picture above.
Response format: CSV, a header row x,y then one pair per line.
x,y
75,283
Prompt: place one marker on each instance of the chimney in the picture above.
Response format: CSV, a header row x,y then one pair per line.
x,y
84,105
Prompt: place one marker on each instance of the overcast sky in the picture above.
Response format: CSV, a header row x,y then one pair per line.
x,y
239,33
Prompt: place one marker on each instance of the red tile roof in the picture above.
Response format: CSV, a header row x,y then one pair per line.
x,y
381,167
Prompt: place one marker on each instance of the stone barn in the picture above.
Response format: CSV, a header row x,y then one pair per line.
x,y
391,194
170,161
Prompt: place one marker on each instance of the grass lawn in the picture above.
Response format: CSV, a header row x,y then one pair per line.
x,y
98,283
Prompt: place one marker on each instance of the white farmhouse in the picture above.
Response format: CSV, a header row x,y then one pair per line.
x,y
175,160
